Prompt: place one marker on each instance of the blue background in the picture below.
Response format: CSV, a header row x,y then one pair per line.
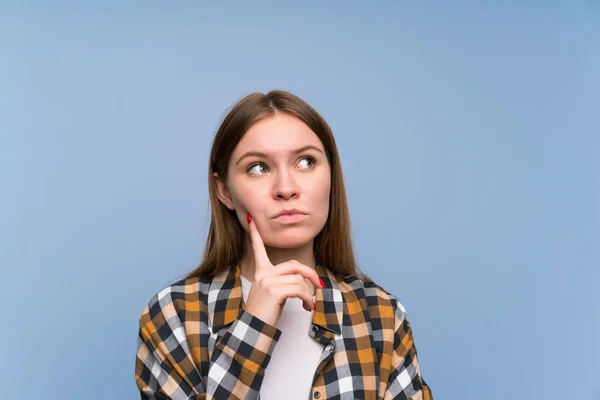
x,y
469,136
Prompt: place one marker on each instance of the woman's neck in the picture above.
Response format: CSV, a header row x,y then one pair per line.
x,y
304,254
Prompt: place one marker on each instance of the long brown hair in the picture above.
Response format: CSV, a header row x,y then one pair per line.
x,y
224,244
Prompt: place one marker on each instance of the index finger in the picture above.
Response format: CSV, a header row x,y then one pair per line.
x,y
261,259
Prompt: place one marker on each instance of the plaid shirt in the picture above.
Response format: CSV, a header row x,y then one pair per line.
x,y
197,341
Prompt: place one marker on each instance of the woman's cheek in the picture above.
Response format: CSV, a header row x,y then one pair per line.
x,y
257,212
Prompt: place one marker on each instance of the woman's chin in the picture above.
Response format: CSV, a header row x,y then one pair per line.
x,y
284,241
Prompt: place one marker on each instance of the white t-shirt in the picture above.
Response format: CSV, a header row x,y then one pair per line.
x,y
295,357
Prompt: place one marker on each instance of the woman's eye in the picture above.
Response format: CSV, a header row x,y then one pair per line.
x,y
256,169
308,160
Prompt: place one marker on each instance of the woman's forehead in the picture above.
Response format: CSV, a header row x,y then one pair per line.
x,y
279,134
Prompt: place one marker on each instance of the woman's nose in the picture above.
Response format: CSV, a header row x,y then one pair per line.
x,y
285,186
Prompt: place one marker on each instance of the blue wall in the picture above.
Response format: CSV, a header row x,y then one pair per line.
x,y
469,136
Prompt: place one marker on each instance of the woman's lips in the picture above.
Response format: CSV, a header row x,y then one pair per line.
x,y
291,218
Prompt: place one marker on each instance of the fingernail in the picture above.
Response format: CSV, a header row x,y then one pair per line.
x,y
322,283
249,217
314,306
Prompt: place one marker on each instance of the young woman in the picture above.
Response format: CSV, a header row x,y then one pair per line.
x,y
278,307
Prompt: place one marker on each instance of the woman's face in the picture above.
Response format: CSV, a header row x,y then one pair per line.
x,y
279,165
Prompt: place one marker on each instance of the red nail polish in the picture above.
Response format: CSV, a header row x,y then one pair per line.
x,y
322,283
314,306
249,217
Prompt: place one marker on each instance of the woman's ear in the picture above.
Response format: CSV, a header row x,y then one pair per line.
x,y
223,192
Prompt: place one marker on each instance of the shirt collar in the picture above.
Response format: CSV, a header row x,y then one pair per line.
x,y
225,300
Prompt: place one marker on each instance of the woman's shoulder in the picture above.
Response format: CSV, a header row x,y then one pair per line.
x,y
364,289
185,293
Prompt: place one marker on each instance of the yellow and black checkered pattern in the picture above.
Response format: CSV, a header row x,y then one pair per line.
x,y
197,341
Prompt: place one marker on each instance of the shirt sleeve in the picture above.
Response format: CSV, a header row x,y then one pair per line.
x,y
165,368
405,380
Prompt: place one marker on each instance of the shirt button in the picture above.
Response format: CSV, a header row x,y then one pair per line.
x,y
317,394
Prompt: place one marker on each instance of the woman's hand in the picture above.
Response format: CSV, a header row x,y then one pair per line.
x,y
273,285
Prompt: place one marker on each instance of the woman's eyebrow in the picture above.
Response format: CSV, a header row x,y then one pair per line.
x,y
264,155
